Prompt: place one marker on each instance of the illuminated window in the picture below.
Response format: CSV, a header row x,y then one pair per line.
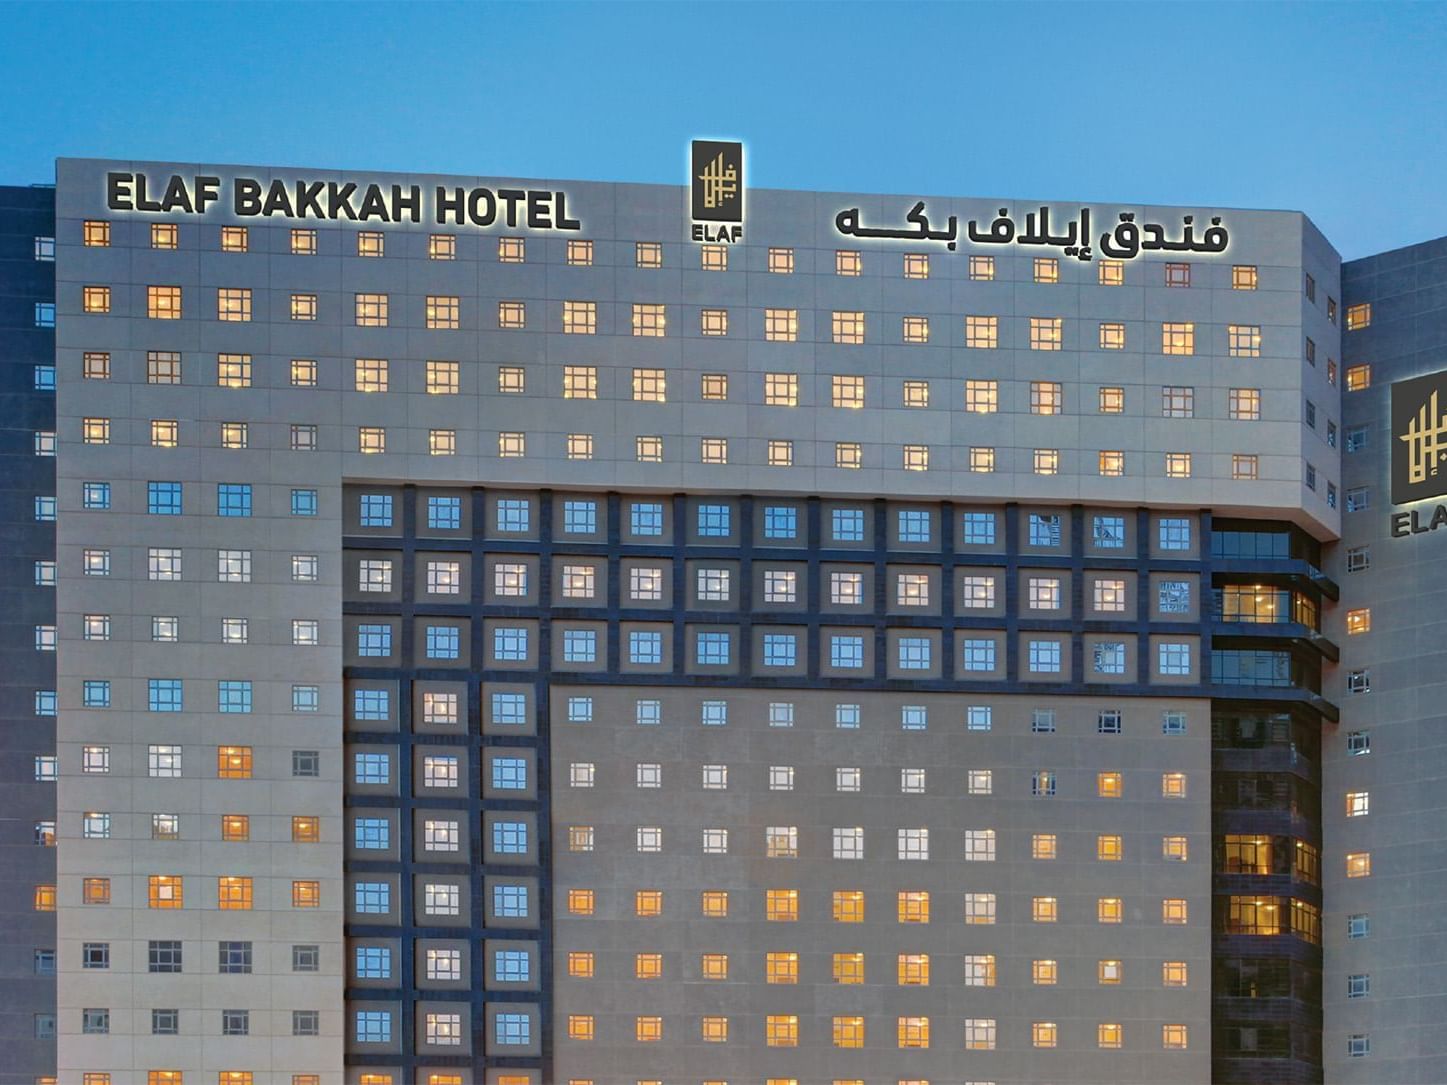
x,y
512,314
1109,910
848,968
916,457
781,325
912,1031
713,257
982,332
96,431
648,254
781,261
442,378
714,1030
713,450
1111,273
371,439
580,318
96,366
511,250
580,446
1047,461
96,891
1044,1033
164,302
1108,785
648,966
1111,463
233,894
581,1026
233,762
1359,316
649,320
233,434
916,329
580,902
647,1030
848,454
1044,909
781,905
848,906
306,894
1112,336
1177,338
714,386
235,239
1175,849
165,891
1359,864
1359,620
781,1030
1245,404
233,303
916,393
648,449
1358,804
1046,333
781,967
1244,340
912,969
715,903
442,311
982,396
1047,269
511,445
1173,785
235,827
95,234
650,385
1243,277
96,299
370,375
848,262
1178,465
713,321
1174,911
441,247
848,326
1173,1037
43,898
980,908
1109,847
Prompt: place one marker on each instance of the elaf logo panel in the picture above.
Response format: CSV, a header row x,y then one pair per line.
x,y
717,181
1419,438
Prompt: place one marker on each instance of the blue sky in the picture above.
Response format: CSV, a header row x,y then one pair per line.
x,y
1339,110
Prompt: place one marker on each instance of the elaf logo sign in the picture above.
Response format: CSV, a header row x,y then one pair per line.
x,y
1419,438
717,197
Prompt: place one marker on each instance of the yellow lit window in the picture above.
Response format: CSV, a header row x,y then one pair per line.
x,y
849,968
1111,463
233,370
912,906
85,1079
580,446
1173,1037
511,250
1044,909
1178,465
442,378
443,311
1044,1034
1358,377
1112,336
1047,461
580,382
580,965
379,1079
1108,785
164,302
1243,340
848,326
982,459
714,1030
1047,332
1108,1035
713,257
95,234
916,265
1174,973
1359,803
1359,316
1047,269
648,902
650,385
982,396
233,894
982,332
96,299
1178,338
303,306
714,386
648,966
580,318
306,829
781,261
982,268
848,906
1243,277
713,450
912,1031
580,838
164,235
1175,848
235,827
648,254
715,903
781,389
848,454
512,315
713,321
306,894
371,440
168,1077
781,967
916,458
849,1032
511,445
781,453
303,243
441,247
95,891
96,431
1359,620
1359,864
1042,846
1108,847
1108,972
1174,911
916,329
235,239
1111,400
912,969
453,1079
43,898
581,1026
233,1077
1046,397
165,891
233,434
781,1030
1109,910
1173,785
233,762
715,966
1111,273
233,303
781,905
848,262
916,393
649,319
580,902
648,449
848,392
164,433
648,1030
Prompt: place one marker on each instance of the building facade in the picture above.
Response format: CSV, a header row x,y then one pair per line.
x,y
534,631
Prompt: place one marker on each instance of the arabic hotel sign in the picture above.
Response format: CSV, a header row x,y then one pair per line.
x,y
1419,451
716,191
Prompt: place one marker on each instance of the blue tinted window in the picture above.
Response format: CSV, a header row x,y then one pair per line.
x,y
96,694
163,498
303,502
376,510
233,499
233,696
164,694
371,704
96,495
444,513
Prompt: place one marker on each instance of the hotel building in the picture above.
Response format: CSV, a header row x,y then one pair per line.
x,y
477,631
